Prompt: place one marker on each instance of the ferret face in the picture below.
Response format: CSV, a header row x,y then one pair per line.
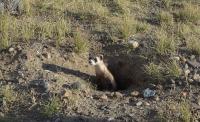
x,y
96,61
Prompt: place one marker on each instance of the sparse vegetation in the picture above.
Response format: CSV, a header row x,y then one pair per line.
x,y
173,69
189,13
163,29
155,71
165,43
8,95
81,42
51,107
185,112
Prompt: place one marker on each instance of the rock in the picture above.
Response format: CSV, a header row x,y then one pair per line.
x,y
157,98
118,95
192,57
2,115
39,83
139,103
186,72
149,93
196,77
135,93
186,66
19,48
146,104
177,58
133,44
183,59
11,50
65,93
47,55
111,119
193,64
190,80
198,101
184,94
76,85
103,97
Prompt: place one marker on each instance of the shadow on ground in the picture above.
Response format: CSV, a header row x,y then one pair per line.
x,y
65,119
55,68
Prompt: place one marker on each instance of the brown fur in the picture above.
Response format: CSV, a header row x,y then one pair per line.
x,y
105,79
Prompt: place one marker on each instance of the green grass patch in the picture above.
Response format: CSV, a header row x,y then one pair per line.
x,y
80,42
189,13
50,108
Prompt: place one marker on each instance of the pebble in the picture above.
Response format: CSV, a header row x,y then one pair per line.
x,y
76,85
135,93
11,49
186,66
2,115
19,47
104,97
184,94
118,95
139,103
146,104
190,80
198,101
196,77
192,57
134,44
157,98
187,71
177,58
66,93
183,59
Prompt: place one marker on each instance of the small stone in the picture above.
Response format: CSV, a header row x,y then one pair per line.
x,y
146,104
118,95
192,57
184,94
135,93
157,98
2,115
198,101
139,103
76,85
177,58
19,48
66,93
190,80
48,55
111,119
186,66
11,49
183,59
187,71
196,77
104,97
134,44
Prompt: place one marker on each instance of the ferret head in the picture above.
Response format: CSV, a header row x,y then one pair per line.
x,y
96,60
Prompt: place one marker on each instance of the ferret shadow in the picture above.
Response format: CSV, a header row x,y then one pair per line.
x,y
55,68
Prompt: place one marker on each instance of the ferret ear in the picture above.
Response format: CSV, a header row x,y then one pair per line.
x,y
101,57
